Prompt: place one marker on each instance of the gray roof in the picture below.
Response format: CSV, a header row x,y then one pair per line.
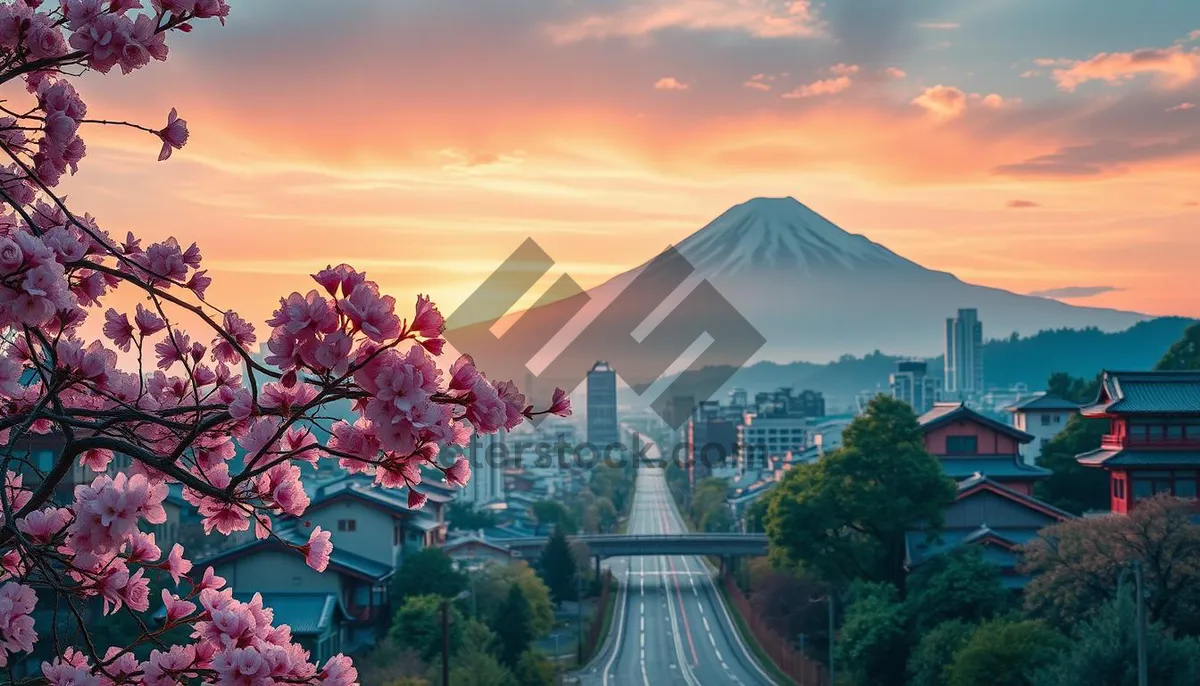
x,y
945,413
1147,393
979,479
339,560
308,614
1044,402
921,549
1117,457
1001,467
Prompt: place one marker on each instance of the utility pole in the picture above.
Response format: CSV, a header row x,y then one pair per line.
x,y
445,642
832,654
1143,668
579,613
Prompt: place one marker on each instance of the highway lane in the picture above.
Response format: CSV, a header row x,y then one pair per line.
x,y
671,625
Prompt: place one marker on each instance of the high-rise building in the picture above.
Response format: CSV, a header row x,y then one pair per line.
x,y
912,384
602,429
964,354
488,456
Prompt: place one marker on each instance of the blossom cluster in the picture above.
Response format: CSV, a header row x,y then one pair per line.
x,y
173,388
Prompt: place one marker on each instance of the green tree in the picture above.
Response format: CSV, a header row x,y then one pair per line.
x,y
1184,354
491,585
514,627
958,585
718,521
389,664
874,639
464,516
549,514
534,669
1073,487
427,572
558,567
847,516
1005,652
756,515
479,668
1103,652
417,626
604,513
930,661
1073,388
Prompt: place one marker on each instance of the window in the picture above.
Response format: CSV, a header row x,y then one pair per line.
x,y
347,525
1058,419
1045,420
1185,487
1174,433
1142,489
962,445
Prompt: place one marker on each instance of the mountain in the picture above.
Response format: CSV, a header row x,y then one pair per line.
x,y
1007,362
812,290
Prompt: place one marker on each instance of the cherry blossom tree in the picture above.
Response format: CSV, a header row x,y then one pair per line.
x,y
171,387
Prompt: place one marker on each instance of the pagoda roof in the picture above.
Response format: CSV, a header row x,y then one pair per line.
x,y
947,413
1126,457
1147,393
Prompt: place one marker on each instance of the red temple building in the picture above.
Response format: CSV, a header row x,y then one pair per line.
x,y
970,444
1153,445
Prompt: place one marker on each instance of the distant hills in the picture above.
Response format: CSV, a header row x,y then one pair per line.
x,y
1029,360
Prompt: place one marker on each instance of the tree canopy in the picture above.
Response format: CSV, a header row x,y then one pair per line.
x,y
1078,564
959,585
429,571
1185,353
514,622
846,517
559,568
1004,652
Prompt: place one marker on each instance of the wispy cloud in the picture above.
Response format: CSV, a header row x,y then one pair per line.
x,y
895,72
823,87
761,82
939,25
670,83
761,18
1182,107
1174,67
1022,204
1074,292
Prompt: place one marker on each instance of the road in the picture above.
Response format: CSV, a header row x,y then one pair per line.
x,y
671,625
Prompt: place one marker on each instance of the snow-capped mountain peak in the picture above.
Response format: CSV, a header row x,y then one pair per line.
x,y
781,234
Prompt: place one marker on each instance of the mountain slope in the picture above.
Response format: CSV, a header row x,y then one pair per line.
x,y
814,291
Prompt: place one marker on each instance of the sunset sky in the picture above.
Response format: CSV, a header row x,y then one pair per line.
x,y
1035,146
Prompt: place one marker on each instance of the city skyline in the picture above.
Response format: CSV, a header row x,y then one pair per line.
x,y
608,131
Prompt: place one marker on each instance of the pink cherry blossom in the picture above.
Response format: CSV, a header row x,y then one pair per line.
x,y
427,322
11,257
317,550
560,404
416,499
372,313
148,323
177,566
118,329
176,608
174,135
459,473
339,671
242,333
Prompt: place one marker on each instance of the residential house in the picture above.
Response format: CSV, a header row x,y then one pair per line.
x,y
1042,416
992,516
475,548
1153,445
969,443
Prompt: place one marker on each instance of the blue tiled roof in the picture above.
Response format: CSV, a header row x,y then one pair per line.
x,y
1148,393
945,413
1044,401
1002,467
978,480
1115,457
339,560
308,614
920,549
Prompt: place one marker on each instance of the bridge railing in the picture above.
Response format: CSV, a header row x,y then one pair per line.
x,y
795,664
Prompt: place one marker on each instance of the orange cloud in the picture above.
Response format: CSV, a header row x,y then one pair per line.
x,y
670,83
1174,67
1022,204
760,18
895,72
843,69
822,87
1182,107
944,102
994,101
759,82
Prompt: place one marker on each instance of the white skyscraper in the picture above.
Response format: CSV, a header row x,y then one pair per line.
x,y
964,354
488,456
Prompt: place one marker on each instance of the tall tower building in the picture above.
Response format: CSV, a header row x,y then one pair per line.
x,y
602,429
488,456
912,384
964,354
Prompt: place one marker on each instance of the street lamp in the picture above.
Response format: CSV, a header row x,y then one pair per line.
x,y
828,599
446,635
1140,593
